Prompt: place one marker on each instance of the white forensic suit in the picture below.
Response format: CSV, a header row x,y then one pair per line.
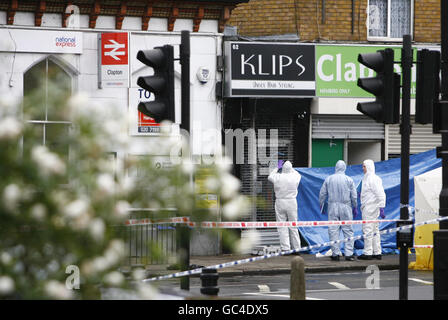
x,y
373,198
339,189
285,188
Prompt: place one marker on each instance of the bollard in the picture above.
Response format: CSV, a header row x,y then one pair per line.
x,y
297,290
209,281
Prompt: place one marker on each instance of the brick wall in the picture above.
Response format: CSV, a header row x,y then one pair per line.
x,y
265,17
427,21
340,22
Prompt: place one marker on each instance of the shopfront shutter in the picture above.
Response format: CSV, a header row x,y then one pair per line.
x,y
346,127
422,139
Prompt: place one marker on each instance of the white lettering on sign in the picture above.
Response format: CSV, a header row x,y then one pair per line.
x,y
256,67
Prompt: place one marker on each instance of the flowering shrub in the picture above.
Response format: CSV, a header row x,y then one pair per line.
x,y
59,211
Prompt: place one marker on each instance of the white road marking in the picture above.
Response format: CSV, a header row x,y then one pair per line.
x,y
263,288
277,295
340,286
422,281
267,294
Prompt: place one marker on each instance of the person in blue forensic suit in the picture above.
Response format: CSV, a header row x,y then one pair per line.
x,y
286,183
339,189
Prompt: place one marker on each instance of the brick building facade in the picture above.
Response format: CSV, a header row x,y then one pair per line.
x,y
317,130
326,20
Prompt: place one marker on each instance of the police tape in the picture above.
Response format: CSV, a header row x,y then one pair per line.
x,y
250,224
279,224
316,246
148,221
264,224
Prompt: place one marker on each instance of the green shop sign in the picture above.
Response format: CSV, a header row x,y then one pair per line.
x,y
337,70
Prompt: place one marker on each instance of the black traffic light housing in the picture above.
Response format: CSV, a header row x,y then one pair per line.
x,y
428,86
161,84
385,87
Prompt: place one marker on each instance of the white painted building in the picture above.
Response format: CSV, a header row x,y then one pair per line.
x,y
42,40
29,36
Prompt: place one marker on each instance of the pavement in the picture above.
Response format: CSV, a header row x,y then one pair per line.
x,y
279,264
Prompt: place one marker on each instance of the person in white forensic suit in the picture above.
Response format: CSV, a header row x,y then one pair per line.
x,y
339,191
373,201
286,183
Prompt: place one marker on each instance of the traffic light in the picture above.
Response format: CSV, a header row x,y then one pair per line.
x,y
428,85
385,87
161,84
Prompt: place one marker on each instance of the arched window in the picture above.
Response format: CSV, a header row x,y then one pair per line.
x,y
46,88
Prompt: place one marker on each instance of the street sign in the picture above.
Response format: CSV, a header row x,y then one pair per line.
x,y
114,60
141,124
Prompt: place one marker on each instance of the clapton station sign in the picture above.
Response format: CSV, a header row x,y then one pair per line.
x,y
114,60
269,69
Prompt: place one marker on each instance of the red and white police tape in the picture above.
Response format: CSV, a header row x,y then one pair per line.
x,y
252,259
249,224
147,221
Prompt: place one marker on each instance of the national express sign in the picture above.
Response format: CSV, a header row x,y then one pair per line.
x,y
256,69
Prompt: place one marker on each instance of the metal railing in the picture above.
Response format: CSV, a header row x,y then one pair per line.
x,y
149,244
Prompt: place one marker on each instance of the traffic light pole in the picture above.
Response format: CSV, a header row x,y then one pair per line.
x,y
441,236
184,231
405,129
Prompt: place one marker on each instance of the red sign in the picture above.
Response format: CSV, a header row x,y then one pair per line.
x,y
146,121
114,48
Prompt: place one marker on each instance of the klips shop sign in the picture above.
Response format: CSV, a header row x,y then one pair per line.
x,y
269,69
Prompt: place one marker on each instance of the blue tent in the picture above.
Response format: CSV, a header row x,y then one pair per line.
x,y
389,171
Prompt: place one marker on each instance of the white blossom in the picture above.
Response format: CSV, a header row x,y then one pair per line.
x,y
166,127
115,251
147,292
11,196
106,184
229,186
48,162
224,164
38,212
122,208
5,258
235,208
127,184
8,104
113,254
252,237
114,278
187,167
116,130
79,106
76,208
57,290
97,228
7,285
211,184
10,128
139,274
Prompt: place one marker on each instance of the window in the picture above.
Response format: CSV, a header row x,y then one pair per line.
x,y
389,19
46,87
